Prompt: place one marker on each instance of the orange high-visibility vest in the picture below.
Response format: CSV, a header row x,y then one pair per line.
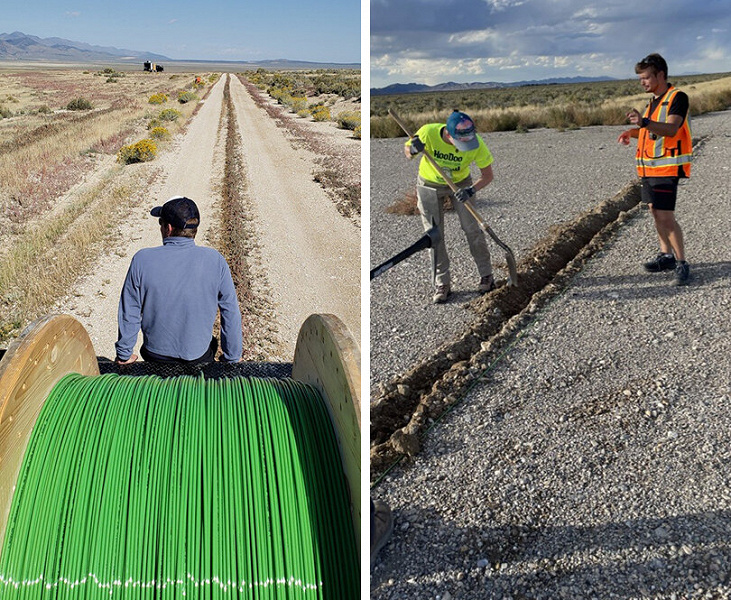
x,y
659,156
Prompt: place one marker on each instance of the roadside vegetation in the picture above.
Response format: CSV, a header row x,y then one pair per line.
x,y
338,176
560,106
48,235
314,94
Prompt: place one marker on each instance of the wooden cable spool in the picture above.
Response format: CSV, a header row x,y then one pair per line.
x,y
326,357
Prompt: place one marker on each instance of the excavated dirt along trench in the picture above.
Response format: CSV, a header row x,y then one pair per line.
x,y
412,401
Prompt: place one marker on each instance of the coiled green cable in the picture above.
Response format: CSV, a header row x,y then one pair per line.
x,y
149,488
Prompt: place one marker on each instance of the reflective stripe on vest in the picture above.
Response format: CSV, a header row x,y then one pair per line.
x,y
664,156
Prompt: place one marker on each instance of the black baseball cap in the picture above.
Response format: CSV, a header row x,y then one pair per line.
x,y
178,211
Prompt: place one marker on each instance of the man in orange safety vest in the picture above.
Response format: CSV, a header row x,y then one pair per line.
x,y
664,148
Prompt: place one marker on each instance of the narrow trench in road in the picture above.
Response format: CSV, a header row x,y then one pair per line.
x,y
237,240
412,401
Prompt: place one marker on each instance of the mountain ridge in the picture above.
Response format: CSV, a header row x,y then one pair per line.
x,y
416,88
18,46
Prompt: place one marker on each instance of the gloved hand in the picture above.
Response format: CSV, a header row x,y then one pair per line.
x,y
464,194
416,146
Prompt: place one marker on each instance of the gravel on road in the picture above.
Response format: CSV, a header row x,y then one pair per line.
x,y
590,460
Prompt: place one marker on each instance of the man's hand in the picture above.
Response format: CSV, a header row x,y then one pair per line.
x,y
634,117
464,194
416,146
129,361
625,137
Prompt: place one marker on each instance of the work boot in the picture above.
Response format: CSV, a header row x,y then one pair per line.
x,y
381,528
441,293
662,262
682,273
487,284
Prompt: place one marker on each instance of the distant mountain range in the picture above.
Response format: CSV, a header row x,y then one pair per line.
x,y
20,47
415,88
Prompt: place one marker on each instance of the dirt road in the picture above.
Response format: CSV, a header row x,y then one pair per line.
x,y
309,253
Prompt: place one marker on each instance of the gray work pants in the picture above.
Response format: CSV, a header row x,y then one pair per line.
x,y
470,226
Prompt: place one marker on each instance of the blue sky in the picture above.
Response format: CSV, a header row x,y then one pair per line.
x,y
435,41
311,30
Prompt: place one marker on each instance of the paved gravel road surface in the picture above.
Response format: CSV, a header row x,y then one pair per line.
x,y
592,460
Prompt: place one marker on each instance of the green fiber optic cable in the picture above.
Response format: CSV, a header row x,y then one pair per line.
x,y
147,488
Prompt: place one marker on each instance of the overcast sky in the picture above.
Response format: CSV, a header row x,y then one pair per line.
x,y
311,30
435,41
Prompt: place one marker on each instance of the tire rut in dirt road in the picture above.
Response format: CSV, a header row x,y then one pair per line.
x,y
309,251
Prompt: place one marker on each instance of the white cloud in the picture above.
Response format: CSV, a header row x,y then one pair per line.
x,y
499,5
473,37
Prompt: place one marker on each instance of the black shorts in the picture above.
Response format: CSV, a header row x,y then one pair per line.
x,y
661,192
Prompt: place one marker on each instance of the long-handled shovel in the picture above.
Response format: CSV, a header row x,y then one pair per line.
x,y
509,256
428,240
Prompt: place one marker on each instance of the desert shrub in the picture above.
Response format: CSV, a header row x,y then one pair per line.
x,y
506,121
386,127
279,94
44,110
298,103
320,113
170,114
184,97
152,123
143,151
214,77
159,133
342,83
710,102
305,112
356,132
349,120
158,98
79,104
5,112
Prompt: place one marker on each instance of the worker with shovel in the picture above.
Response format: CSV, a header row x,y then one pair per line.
x,y
454,145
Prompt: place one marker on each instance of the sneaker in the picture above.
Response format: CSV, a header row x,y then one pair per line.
x,y
382,528
682,273
662,262
487,284
441,293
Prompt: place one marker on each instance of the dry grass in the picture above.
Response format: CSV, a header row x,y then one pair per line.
x,y
45,153
46,259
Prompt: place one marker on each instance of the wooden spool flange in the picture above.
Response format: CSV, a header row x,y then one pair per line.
x,y
48,349
328,358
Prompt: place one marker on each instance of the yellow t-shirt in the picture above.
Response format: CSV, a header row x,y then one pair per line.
x,y
448,157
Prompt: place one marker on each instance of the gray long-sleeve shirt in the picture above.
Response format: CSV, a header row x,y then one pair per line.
x,y
173,292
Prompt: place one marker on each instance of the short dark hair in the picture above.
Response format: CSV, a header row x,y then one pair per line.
x,y
652,61
189,232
